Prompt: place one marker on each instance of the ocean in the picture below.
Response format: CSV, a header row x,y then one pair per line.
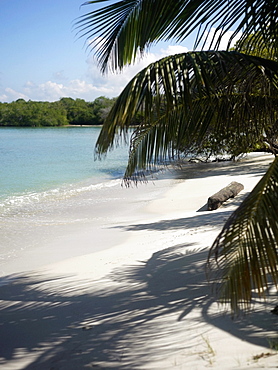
x,y
45,174
42,159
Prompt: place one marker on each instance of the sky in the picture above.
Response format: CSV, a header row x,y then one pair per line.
x,y
43,59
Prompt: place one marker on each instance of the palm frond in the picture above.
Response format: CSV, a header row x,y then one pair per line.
x,y
182,96
245,256
128,27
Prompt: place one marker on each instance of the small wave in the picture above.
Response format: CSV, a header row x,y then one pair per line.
x,y
15,204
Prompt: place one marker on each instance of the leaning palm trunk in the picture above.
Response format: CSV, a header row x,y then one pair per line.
x,y
244,257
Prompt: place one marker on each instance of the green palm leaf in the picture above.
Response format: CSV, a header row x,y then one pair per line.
x,y
130,26
184,96
244,256
187,97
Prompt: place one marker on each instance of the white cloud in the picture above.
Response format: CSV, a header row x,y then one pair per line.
x,y
4,98
113,83
29,84
60,75
53,91
92,84
209,35
12,94
174,49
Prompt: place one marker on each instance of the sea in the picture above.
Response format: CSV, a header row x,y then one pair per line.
x,y
35,161
45,174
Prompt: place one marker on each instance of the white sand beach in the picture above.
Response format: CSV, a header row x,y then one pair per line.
x,y
141,300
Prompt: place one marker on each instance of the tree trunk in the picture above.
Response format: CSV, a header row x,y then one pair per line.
x,y
229,191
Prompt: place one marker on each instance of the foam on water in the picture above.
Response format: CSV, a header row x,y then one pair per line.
x,y
14,204
48,178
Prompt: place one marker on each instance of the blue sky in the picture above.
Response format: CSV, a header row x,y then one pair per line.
x,y
43,59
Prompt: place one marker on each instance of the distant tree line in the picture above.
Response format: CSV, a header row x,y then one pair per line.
x,y
66,111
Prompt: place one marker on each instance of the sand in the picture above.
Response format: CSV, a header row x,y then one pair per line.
x,y
142,302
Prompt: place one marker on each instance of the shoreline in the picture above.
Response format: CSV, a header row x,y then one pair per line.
x,y
143,303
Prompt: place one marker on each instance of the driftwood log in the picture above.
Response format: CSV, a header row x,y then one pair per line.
x,y
224,194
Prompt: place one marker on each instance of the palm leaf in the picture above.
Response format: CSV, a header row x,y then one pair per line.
x,y
130,26
183,96
245,253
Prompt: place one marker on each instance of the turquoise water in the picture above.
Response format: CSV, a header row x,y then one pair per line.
x,y
57,202
50,185
40,159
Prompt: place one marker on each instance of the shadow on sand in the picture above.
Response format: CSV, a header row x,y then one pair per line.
x,y
136,316
121,325
253,166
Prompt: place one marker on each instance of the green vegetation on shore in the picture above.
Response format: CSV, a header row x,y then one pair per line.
x,y
66,111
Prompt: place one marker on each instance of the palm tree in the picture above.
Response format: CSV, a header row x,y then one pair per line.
x,y
187,97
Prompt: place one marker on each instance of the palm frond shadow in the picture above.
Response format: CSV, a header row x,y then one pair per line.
x,y
200,220
185,170
252,166
117,326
